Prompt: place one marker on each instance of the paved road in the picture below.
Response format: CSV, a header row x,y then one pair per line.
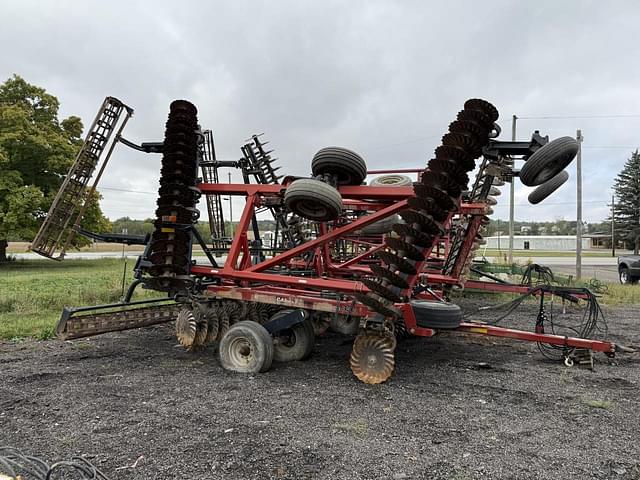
x,y
591,261
604,273
601,268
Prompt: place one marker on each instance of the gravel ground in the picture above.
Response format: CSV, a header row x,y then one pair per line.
x,y
458,407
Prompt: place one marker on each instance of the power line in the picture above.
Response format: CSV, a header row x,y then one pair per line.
x,y
404,142
127,190
604,202
541,117
610,146
562,117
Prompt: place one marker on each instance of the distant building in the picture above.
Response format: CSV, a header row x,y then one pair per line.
x,y
603,240
537,242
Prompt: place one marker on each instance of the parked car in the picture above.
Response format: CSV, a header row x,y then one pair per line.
x,y
629,269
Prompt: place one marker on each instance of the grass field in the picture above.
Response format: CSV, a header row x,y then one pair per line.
x,y
617,294
609,294
33,292
23,247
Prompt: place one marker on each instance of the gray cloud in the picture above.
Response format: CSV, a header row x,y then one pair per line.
x,y
384,78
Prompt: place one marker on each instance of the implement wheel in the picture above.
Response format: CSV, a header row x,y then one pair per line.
x,y
295,343
345,324
246,347
313,200
382,226
548,187
347,166
436,314
548,161
393,180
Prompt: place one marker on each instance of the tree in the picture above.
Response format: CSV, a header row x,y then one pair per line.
x,y
36,152
627,207
131,226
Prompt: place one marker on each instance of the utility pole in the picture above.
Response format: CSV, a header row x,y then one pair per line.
x,y
512,195
230,208
579,206
613,225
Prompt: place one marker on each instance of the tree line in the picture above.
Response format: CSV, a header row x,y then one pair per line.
x,y
131,226
37,148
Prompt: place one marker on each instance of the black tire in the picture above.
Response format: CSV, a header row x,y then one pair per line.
x,y
548,161
246,347
381,226
625,278
345,324
391,181
548,187
313,200
347,166
384,225
295,343
436,314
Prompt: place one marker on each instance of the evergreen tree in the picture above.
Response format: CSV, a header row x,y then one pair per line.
x,y
627,208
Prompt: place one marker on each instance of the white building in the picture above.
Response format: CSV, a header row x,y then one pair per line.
x,y
537,242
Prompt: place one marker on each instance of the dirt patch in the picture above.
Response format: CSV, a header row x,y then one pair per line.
x,y
458,407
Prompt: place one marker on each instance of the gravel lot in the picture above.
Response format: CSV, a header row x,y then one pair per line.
x,y
458,407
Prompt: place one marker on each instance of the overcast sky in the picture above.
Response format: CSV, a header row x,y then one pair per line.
x,y
383,78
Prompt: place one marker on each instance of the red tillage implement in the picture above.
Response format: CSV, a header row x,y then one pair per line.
x,y
376,261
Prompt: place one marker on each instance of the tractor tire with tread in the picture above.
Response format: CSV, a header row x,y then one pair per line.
x,y
548,187
349,167
313,200
391,181
381,226
246,347
548,161
436,315
344,324
296,343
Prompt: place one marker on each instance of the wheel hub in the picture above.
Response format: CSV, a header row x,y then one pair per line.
x,y
372,360
240,352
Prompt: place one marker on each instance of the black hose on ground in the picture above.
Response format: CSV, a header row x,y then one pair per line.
x,y
549,321
16,464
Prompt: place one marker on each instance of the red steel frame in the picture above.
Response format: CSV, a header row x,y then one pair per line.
x,y
325,291
569,342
